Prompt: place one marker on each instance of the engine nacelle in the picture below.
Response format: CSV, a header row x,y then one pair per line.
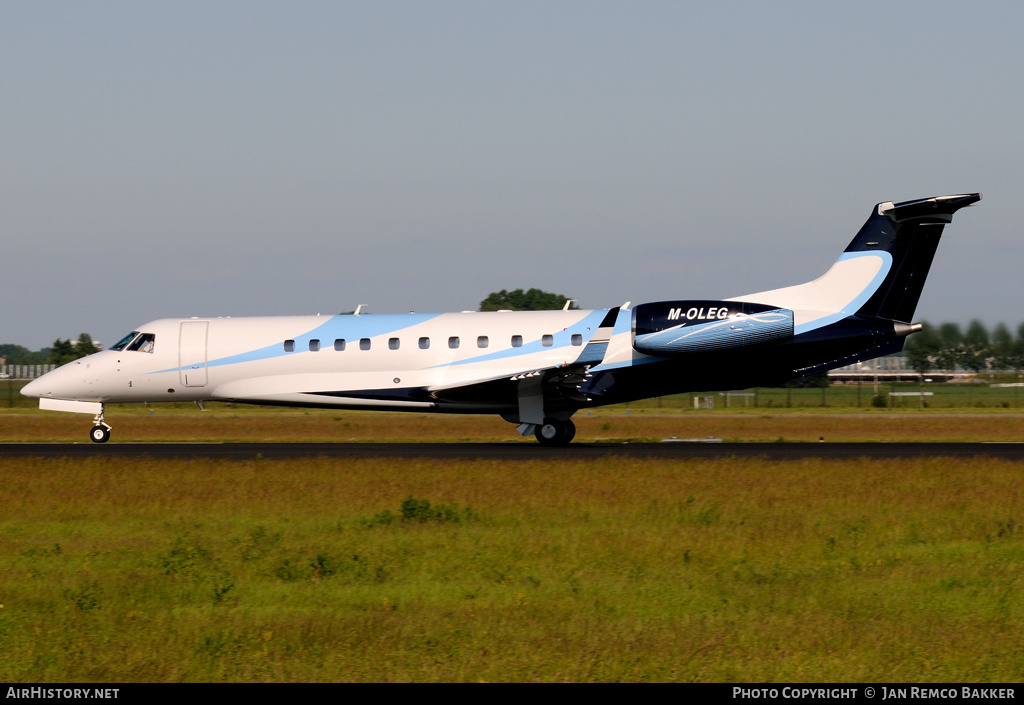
x,y
686,327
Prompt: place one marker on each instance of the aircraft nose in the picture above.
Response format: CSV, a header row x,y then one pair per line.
x,y
34,389
65,382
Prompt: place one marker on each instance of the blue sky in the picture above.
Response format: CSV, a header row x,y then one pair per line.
x,y
249,158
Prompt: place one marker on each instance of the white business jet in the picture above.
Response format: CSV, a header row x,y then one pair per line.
x,y
534,368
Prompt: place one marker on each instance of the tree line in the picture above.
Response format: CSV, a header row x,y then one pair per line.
x,y
60,353
948,346
530,300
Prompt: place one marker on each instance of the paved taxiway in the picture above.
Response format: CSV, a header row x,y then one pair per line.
x,y
513,451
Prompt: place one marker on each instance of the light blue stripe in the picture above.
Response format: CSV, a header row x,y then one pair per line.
x,y
586,327
348,326
862,298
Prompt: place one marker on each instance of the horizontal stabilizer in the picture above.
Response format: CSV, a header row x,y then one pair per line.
x,y
939,208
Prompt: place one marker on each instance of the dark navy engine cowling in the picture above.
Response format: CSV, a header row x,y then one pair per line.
x,y
684,327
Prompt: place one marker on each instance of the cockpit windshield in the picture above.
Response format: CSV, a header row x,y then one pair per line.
x,y
136,341
123,342
144,343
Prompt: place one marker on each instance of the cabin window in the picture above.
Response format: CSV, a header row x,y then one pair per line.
x,y
517,341
424,343
577,339
314,345
453,342
364,343
123,342
289,346
339,344
547,340
481,341
394,343
144,343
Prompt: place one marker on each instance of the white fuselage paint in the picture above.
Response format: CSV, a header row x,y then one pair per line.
x,y
245,358
837,293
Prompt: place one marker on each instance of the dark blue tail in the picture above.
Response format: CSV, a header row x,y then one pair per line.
x,y
909,232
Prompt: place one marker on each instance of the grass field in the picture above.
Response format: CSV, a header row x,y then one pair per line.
x,y
398,570
137,423
404,570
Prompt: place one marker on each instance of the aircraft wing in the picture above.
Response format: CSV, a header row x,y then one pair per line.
x,y
555,382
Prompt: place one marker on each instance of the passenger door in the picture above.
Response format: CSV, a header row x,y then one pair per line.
x,y
192,353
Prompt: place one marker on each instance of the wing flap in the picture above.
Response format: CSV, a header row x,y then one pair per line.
x,y
555,382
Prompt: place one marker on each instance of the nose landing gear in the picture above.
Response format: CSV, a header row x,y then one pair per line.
x,y
100,432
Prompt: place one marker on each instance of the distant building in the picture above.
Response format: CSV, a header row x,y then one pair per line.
x,y
893,368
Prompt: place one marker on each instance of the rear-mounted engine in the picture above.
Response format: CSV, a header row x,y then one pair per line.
x,y
684,327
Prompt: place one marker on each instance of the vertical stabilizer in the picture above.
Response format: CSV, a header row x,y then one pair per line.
x,y
910,233
881,273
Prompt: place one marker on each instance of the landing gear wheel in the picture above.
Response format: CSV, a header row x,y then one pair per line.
x,y
555,433
99,434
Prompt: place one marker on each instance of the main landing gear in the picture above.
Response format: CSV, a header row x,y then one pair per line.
x,y
555,433
100,432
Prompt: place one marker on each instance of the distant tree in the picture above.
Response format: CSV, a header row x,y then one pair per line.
x,y
61,352
923,348
64,351
15,354
1002,347
977,334
975,351
85,346
950,335
951,338
518,300
1016,358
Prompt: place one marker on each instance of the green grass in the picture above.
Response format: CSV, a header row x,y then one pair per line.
x,y
403,570
134,423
